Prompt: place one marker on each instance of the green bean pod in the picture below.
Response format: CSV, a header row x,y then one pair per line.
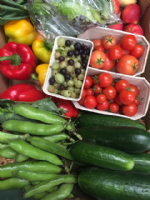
x,y
20,157
8,152
33,128
26,149
50,147
3,145
56,138
46,185
35,166
62,193
40,195
13,183
35,176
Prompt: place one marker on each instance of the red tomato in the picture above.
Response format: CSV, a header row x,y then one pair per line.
x,y
81,102
76,112
129,110
121,85
137,51
126,97
128,65
97,59
134,89
115,52
83,94
88,82
105,79
124,52
128,42
96,43
113,107
100,48
109,64
89,92
90,102
95,80
117,100
108,42
97,89
101,98
110,92
137,101
103,106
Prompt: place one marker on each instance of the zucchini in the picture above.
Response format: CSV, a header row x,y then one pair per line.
x,y
101,156
88,119
114,185
128,139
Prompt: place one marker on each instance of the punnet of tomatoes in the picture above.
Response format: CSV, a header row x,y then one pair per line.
x,y
104,93
121,57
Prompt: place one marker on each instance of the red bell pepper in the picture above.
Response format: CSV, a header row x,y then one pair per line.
x,y
22,92
17,61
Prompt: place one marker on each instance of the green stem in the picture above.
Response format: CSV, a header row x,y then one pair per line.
x,y
12,3
14,18
14,59
48,46
8,8
33,76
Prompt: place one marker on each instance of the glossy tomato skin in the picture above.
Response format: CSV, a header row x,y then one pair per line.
x,y
121,85
89,92
100,48
128,65
137,51
108,42
81,102
114,107
88,82
83,94
103,106
129,110
101,98
109,64
105,79
97,89
115,52
134,89
90,102
126,97
109,92
117,100
97,59
96,42
124,52
128,42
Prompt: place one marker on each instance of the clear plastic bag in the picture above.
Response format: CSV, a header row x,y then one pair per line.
x,y
69,17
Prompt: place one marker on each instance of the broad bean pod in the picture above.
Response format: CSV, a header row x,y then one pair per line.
x,y
2,146
35,166
26,149
20,157
58,137
13,183
46,185
8,152
40,195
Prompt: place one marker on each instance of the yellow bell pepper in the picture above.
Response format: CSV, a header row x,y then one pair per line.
x,y
41,70
20,31
41,49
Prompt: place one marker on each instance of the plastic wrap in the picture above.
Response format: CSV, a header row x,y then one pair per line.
x,y
69,17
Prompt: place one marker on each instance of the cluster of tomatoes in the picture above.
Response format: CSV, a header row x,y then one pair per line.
x,y
105,94
107,54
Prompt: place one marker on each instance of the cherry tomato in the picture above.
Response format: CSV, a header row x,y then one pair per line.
x,y
108,42
137,101
81,102
126,97
96,42
90,102
128,65
110,92
134,89
101,98
137,51
89,92
97,89
129,110
121,85
88,82
95,80
83,94
113,107
105,79
117,100
103,106
97,59
128,42
115,52
109,64
124,52
100,48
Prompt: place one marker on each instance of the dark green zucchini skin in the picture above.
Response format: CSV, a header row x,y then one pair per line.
x,y
87,119
106,157
128,139
112,185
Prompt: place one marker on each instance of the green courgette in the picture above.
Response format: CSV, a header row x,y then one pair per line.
x,y
87,119
96,155
114,185
128,139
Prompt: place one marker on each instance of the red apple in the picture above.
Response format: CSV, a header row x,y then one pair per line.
x,y
118,26
131,14
116,6
134,28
